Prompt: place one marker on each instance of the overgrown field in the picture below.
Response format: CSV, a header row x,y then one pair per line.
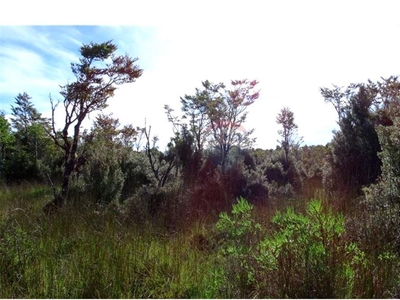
x,y
92,252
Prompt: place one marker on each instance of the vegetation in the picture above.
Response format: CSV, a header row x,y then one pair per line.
x,y
93,87
104,213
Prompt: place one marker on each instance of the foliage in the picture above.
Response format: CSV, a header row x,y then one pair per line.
x,y
194,110
151,223
136,173
188,159
24,114
311,165
6,141
290,144
227,112
307,256
105,179
32,156
95,254
337,97
237,239
383,197
256,184
274,175
94,85
108,148
354,161
161,163
290,139
237,229
216,116
91,252
362,108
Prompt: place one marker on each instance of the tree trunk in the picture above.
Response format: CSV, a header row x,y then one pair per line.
x,y
69,167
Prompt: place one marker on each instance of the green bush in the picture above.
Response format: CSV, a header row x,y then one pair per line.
x,y
306,256
104,181
237,239
16,253
383,197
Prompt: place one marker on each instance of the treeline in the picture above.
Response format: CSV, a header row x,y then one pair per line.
x,y
210,161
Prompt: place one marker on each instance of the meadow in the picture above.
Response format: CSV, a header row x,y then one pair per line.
x,y
296,249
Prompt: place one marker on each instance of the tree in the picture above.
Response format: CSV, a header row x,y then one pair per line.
x,y
24,113
290,138
383,196
216,115
387,104
6,141
355,146
336,97
108,153
195,111
96,81
227,111
161,164
32,143
191,136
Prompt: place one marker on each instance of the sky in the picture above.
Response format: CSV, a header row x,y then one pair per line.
x,y
292,48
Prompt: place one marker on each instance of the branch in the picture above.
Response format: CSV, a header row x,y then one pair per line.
x,y
53,133
164,177
149,155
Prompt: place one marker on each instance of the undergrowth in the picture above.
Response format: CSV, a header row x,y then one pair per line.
x,y
94,252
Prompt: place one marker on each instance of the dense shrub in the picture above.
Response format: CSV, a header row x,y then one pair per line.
x,y
301,256
383,198
236,236
306,256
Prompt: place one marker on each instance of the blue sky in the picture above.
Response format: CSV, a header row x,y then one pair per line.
x,y
291,47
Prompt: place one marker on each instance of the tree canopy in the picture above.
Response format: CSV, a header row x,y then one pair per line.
x,y
98,74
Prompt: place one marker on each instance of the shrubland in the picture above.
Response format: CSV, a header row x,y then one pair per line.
x,y
106,213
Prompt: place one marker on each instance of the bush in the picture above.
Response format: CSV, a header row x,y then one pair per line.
x,y
383,197
304,256
164,206
237,238
104,181
307,256
16,252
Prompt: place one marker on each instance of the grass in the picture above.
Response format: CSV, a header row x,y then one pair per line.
x,y
91,253
88,254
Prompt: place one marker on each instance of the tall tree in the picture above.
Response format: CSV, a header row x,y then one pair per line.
x,y
216,115
355,160
387,104
98,74
32,142
24,113
337,97
290,138
6,141
227,111
195,110
383,196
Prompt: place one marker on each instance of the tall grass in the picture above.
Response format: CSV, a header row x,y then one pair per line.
x,y
87,252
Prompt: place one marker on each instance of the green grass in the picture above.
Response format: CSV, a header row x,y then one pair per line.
x,y
82,252
86,254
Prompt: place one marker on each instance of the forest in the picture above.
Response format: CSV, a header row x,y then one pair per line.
x,y
104,213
